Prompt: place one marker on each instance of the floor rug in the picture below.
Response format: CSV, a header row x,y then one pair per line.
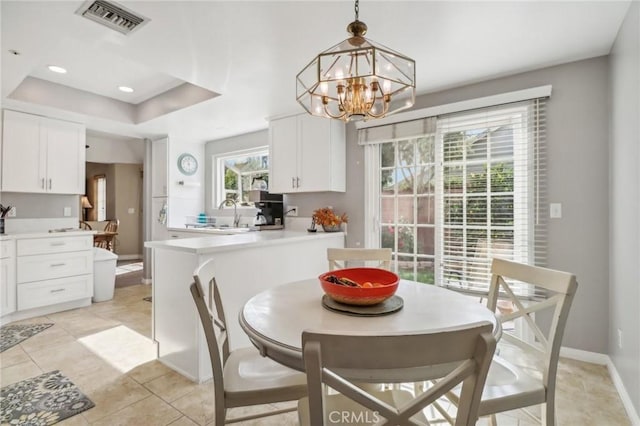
x,y
11,335
43,400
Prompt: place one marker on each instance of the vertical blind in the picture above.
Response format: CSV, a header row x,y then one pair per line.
x,y
492,192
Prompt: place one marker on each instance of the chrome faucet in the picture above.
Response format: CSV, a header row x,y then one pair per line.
x,y
236,216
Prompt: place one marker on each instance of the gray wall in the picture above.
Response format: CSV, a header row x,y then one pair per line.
x,y
624,226
577,137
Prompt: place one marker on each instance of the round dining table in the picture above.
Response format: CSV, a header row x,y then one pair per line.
x,y
275,318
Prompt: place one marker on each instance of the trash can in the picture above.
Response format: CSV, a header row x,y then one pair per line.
x,y
104,274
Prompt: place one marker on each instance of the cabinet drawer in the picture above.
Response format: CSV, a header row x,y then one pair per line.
x,y
50,292
6,248
49,266
53,245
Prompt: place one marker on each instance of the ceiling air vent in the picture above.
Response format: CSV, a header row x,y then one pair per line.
x,y
112,15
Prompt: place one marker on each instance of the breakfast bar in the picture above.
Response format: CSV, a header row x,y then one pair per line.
x,y
246,264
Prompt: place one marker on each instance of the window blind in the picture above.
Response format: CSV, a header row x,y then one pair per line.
x,y
491,193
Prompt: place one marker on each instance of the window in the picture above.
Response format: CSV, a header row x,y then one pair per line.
x,y
238,172
449,193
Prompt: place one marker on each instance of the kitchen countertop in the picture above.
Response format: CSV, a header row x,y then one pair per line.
x,y
212,244
43,234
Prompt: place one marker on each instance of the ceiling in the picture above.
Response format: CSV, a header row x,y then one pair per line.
x,y
250,52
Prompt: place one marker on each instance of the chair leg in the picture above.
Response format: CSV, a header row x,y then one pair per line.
x,y
493,421
548,415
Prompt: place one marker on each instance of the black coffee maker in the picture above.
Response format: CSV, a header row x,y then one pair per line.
x,y
270,209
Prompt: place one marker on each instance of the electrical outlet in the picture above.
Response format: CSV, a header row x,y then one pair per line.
x,y
555,210
619,339
13,212
292,210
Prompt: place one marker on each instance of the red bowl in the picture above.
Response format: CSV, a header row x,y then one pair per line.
x,y
361,295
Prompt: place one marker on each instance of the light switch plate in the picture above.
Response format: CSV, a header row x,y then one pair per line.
x,y
67,212
131,210
555,210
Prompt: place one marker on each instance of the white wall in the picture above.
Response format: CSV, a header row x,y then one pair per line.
x,y
624,226
184,200
114,149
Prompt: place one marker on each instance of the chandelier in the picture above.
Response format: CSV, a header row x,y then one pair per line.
x,y
357,79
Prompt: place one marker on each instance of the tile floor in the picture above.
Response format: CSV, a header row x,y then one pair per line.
x,y
106,351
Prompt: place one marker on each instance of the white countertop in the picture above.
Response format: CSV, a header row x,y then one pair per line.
x,y
45,234
212,244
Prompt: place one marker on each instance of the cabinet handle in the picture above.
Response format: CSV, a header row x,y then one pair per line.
x,y
293,182
57,264
49,183
297,182
42,183
58,290
58,244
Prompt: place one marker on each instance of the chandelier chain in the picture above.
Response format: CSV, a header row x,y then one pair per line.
x,y
357,9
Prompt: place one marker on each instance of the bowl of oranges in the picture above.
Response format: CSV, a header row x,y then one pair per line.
x,y
359,286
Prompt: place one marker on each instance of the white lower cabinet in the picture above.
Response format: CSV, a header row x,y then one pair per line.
x,y
53,270
7,277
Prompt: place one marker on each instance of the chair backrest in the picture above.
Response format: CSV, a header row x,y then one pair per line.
x,y
561,288
340,257
112,225
464,353
84,225
217,341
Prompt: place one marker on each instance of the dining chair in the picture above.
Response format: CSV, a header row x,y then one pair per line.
x,y
523,373
459,356
84,225
107,241
241,377
341,257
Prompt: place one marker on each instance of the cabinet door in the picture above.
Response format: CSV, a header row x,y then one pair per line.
x,y
159,168
283,140
65,156
23,155
314,154
7,286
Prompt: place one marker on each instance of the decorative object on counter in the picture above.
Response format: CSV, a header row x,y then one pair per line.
x,y
312,228
329,221
11,335
357,79
187,164
4,211
45,399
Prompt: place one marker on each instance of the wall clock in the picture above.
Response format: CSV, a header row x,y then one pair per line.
x,y
187,164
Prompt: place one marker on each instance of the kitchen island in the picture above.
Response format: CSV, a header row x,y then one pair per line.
x,y
245,265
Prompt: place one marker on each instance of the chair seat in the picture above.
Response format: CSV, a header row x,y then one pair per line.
x,y
337,405
508,386
249,376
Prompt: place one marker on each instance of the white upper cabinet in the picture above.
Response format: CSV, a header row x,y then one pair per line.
x,y
42,155
306,154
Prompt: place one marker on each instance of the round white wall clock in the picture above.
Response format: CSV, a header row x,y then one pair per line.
x,y
187,164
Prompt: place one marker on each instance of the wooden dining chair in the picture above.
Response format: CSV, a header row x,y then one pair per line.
x,y
345,257
84,225
241,377
523,373
459,356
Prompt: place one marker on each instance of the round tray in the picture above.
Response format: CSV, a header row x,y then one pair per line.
x,y
389,306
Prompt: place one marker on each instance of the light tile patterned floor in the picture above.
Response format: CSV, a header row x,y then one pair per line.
x,y
106,351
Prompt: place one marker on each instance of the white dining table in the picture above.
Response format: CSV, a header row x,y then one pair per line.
x,y
275,318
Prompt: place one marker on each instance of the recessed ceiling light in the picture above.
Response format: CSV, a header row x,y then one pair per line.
x,y
57,69
125,89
